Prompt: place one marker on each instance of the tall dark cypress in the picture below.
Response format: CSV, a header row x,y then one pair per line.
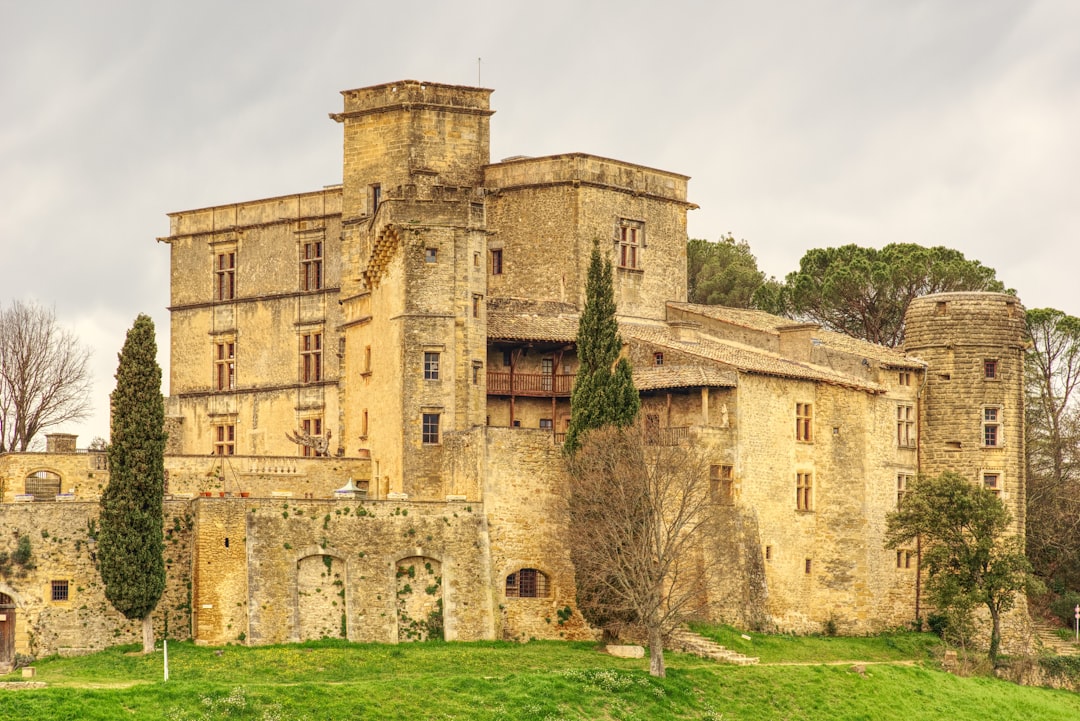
x,y
130,541
604,392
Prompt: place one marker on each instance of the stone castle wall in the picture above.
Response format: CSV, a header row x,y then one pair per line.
x,y
63,548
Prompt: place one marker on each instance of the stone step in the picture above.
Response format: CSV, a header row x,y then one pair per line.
x,y
686,641
1048,638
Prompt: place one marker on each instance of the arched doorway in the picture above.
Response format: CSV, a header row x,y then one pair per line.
x,y
7,630
320,589
419,599
42,485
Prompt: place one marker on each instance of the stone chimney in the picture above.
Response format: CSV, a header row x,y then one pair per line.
x,y
795,340
60,442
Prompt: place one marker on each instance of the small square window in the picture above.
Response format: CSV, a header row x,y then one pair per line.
x,y
431,255
59,590
992,482
545,424
905,378
658,359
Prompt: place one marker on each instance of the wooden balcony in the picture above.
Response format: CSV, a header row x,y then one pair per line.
x,y
541,385
670,436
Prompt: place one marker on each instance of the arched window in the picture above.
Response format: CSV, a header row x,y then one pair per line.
x,y
527,583
43,485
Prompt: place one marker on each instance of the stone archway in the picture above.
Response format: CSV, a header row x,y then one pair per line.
x,y
320,597
419,599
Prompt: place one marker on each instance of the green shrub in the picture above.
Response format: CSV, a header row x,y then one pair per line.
x,y
1063,606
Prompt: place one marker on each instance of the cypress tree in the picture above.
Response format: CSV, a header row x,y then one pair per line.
x,y
130,540
604,392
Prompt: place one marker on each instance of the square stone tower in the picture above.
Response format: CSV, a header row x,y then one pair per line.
x,y
413,277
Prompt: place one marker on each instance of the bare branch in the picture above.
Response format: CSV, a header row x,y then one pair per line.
x,y
44,375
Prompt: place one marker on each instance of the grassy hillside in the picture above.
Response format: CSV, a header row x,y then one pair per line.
x,y
799,678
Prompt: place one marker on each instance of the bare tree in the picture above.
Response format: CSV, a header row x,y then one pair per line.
x,y
44,375
637,513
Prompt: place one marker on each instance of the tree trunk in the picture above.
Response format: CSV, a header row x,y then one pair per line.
x,y
995,634
147,634
656,653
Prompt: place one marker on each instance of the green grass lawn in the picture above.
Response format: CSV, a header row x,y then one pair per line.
x,y
537,680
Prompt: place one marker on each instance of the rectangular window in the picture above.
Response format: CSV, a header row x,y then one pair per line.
x,y
903,480
631,235
225,366
992,482
545,424
476,366
363,424
225,276
476,299
658,359
311,427
768,553
367,359
224,440
722,484
990,369
809,565
804,491
804,422
431,366
991,426
429,434
903,559
431,255
905,426
376,197
905,378
311,266
506,359
59,590
496,261
311,358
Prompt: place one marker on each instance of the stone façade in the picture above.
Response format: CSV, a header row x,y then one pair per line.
x,y
420,317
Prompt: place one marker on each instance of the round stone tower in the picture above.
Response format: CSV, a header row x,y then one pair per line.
x,y
971,405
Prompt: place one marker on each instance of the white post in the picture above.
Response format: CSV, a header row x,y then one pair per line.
x,y
165,645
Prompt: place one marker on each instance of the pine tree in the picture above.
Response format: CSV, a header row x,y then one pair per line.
x,y
130,539
604,392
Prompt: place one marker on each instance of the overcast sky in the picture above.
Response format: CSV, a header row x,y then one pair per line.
x,y
801,124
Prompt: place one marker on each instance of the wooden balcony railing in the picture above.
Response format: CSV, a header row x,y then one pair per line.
x,y
542,385
667,436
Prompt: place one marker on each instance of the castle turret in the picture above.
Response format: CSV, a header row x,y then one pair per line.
x,y
971,409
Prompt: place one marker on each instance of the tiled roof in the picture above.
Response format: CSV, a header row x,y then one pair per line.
x,y
653,378
513,319
768,323
743,358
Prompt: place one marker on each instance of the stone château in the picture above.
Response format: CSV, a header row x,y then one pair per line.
x,y
370,382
